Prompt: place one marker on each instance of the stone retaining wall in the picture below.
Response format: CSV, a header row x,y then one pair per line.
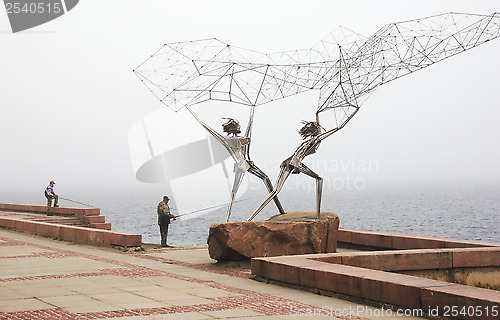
x,y
372,276
97,233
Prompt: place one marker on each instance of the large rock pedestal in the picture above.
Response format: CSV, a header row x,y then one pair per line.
x,y
285,234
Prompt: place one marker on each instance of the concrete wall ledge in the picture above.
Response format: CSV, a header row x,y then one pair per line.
x,y
421,259
398,241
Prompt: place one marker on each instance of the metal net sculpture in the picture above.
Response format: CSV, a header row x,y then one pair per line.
x,y
345,68
188,73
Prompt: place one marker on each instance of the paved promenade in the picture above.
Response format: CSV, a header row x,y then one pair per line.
x,y
43,278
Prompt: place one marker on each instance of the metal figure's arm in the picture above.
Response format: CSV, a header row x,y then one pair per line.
x,y
248,132
214,133
328,133
248,135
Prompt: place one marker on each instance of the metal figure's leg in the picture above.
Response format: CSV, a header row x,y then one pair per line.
x,y
267,182
319,192
319,185
238,177
284,173
230,206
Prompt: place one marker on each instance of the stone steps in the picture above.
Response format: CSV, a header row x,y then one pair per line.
x,y
60,220
85,217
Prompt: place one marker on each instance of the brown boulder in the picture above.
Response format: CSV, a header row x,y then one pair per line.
x,y
285,234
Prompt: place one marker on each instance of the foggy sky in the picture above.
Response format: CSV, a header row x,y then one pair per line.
x,y
69,96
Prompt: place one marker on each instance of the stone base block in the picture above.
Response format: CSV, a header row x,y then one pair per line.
x,y
286,234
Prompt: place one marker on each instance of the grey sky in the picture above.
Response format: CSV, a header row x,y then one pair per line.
x,y
69,95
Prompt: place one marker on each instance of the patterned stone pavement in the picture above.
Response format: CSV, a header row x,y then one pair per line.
x,y
43,278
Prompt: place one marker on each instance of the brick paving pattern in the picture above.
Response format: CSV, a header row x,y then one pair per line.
x,y
156,265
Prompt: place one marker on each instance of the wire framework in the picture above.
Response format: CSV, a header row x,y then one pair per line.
x,y
345,67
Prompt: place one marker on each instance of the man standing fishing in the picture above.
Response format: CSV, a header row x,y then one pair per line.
x,y
164,217
50,194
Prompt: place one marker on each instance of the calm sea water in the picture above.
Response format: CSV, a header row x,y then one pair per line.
x,y
461,213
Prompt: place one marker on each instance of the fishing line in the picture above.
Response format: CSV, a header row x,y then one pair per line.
x,y
88,205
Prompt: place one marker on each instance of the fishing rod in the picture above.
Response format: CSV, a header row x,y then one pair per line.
x,y
85,204
212,207
88,205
